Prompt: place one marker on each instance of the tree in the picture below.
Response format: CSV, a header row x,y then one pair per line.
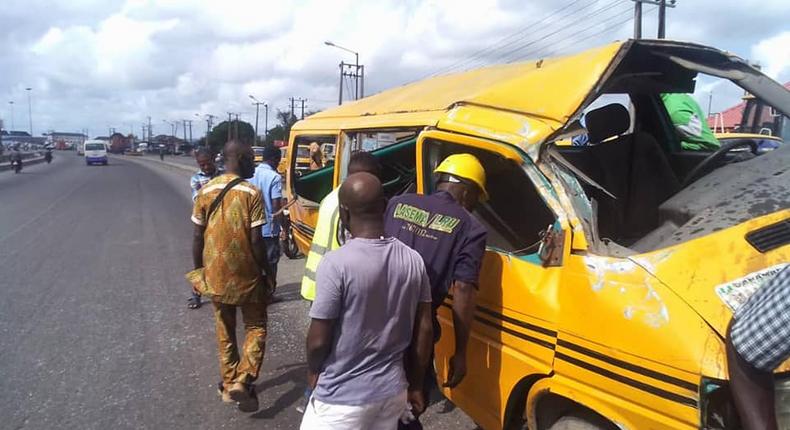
x,y
219,134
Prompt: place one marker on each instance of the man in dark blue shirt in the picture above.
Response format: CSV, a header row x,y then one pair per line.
x,y
451,242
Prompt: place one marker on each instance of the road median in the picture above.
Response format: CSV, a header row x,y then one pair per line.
x,y
7,165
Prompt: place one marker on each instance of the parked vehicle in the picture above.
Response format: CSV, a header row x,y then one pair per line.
x,y
760,142
258,151
95,152
612,269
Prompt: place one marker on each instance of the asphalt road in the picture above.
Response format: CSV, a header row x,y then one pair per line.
x,y
94,327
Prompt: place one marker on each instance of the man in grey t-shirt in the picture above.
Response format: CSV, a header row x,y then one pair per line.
x,y
370,336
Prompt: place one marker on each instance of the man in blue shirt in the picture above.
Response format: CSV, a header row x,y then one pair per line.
x,y
208,171
271,185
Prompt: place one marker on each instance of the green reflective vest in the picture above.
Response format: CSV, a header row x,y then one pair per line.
x,y
324,240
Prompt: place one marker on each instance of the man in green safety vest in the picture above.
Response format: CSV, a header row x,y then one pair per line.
x,y
326,236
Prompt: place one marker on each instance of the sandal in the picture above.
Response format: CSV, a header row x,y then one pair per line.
x,y
194,302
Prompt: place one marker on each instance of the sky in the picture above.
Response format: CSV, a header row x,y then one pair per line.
x,y
97,64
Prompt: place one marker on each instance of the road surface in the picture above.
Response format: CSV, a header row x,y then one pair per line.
x,y
93,322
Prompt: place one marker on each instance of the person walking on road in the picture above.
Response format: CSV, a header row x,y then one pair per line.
x,y
270,183
369,339
207,171
758,341
162,152
228,247
451,242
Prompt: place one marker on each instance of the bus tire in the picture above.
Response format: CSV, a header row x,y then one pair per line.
x,y
571,422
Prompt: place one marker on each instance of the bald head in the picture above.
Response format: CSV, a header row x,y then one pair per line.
x,y
239,158
362,205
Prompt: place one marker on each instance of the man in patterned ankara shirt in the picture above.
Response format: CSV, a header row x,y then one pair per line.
x,y
229,245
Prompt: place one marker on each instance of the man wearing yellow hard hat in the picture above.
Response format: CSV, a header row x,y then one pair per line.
x,y
450,240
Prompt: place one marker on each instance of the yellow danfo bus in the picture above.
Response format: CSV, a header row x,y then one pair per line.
x,y
612,269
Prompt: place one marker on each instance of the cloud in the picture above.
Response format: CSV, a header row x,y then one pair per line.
x,y
773,54
100,63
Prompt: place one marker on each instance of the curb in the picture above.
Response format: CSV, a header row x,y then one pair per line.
x,y
182,167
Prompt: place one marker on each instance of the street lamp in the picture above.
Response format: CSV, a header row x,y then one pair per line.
x,y
257,104
11,102
29,109
359,87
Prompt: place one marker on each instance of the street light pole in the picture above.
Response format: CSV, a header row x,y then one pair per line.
x,y
29,109
266,121
358,76
12,114
258,104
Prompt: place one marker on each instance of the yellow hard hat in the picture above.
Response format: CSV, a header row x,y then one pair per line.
x,y
465,166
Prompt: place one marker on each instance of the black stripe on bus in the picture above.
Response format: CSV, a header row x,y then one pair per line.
x,y
304,228
628,381
580,349
523,324
628,366
518,334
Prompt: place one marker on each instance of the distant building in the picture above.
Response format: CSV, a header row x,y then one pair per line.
x,y
120,143
65,140
23,138
729,120
171,144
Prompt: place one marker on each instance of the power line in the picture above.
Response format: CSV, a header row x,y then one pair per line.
x,y
499,43
542,51
510,56
610,29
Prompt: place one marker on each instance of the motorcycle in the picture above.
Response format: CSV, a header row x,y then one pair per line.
x,y
48,157
16,165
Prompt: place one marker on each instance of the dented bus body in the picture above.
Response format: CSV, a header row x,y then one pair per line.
x,y
612,269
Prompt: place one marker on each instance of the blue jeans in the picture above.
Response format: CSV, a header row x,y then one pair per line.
x,y
272,253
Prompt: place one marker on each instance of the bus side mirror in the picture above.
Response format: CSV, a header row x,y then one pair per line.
x,y
551,247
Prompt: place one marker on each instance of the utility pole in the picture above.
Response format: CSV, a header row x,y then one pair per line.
x,y
29,109
293,100
302,101
662,18
150,131
710,102
185,129
209,121
229,125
